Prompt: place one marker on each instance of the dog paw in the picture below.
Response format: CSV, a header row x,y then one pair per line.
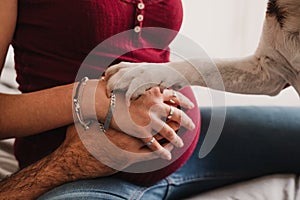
x,y
136,78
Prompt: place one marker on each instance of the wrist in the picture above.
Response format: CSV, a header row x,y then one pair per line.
x,y
102,102
74,162
95,103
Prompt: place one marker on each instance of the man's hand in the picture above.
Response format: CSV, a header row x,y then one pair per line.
x,y
71,161
95,153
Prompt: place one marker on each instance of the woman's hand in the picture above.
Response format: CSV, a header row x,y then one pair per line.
x,y
146,116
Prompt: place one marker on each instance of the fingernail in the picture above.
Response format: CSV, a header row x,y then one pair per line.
x,y
179,143
191,105
192,126
167,155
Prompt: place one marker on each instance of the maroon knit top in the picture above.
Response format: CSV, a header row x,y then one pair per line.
x,y
53,37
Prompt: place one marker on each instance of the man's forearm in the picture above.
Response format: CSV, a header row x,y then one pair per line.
x,y
64,165
34,180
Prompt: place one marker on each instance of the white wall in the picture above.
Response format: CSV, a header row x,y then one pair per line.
x,y
230,28
224,28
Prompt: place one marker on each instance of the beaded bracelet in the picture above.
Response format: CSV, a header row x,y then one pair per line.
x,y
76,102
110,112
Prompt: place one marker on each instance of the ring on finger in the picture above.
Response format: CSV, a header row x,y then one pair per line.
x,y
174,95
150,142
170,115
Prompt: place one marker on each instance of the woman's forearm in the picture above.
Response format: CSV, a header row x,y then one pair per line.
x,y
35,112
8,17
32,113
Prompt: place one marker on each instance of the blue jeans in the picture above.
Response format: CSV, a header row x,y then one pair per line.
x,y
255,141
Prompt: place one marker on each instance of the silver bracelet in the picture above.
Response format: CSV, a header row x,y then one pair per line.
x,y
110,112
76,102
101,127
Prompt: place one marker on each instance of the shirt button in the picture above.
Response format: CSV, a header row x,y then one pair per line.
x,y
141,6
140,18
137,29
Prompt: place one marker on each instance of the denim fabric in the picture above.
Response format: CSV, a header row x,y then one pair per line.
x,y
255,141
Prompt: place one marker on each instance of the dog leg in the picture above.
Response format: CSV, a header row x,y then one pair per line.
x,y
250,75
284,69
